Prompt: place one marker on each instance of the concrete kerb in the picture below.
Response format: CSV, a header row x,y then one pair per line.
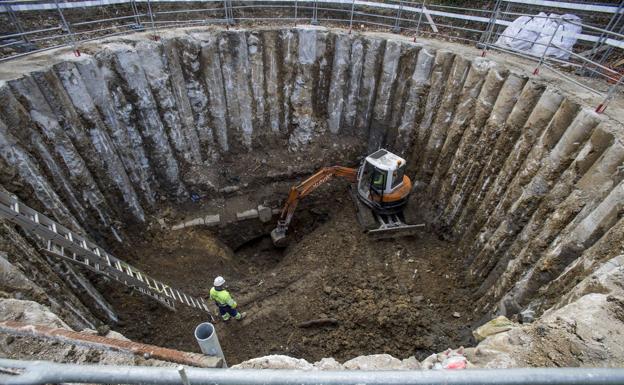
x,y
208,220
247,214
263,213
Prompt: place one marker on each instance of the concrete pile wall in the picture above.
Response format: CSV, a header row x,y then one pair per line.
x,y
526,178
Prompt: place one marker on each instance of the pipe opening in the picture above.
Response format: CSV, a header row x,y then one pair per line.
x,y
204,331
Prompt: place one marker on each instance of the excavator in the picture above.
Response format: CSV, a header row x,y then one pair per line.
x,y
379,189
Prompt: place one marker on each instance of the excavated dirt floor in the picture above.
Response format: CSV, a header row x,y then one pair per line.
x,y
405,297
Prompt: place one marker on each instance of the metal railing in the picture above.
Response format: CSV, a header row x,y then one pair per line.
x,y
37,25
16,372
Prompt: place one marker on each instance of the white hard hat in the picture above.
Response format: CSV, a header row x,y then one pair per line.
x,y
219,281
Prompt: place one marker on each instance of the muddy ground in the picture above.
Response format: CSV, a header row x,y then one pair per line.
x,y
397,297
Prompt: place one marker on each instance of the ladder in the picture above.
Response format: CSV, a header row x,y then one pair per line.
x,y
63,243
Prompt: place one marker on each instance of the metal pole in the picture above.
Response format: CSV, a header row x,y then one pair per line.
x,y
609,50
615,19
183,376
42,372
135,11
231,20
314,13
227,16
397,26
491,21
351,19
69,31
490,28
422,10
610,94
13,18
501,28
295,13
541,60
155,36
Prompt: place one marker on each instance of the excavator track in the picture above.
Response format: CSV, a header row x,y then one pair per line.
x,y
364,214
380,226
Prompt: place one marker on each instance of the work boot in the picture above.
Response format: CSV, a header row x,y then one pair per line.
x,y
240,316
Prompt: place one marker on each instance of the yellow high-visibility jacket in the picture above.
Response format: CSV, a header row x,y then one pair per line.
x,y
222,298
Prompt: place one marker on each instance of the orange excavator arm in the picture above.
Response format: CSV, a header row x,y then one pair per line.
x,y
304,188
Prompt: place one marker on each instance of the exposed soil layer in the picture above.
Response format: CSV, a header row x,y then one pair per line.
x,y
395,297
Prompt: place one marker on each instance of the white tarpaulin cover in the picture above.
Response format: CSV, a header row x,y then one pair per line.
x,y
532,35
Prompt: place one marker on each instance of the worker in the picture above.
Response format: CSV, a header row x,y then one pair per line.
x,y
378,180
224,301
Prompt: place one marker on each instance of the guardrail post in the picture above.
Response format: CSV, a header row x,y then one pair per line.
x,y
500,29
422,10
314,20
135,11
542,58
68,29
231,20
13,18
487,34
227,16
351,18
607,52
296,3
614,21
397,21
610,94
155,36
183,376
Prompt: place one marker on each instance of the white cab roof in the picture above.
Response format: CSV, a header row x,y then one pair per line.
x,y
385,160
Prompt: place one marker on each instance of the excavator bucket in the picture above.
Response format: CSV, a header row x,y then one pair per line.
x,y
278,236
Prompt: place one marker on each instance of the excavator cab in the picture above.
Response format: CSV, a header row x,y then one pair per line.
x,y
382,183
380,191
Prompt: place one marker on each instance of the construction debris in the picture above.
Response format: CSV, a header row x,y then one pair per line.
x,y
497,325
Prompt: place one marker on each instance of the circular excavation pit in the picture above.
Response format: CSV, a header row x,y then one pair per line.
x,y
176,156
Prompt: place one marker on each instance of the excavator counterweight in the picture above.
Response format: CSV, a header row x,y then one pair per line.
x,y
380,190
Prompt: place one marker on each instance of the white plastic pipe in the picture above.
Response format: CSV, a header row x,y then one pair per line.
x,y
206,337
